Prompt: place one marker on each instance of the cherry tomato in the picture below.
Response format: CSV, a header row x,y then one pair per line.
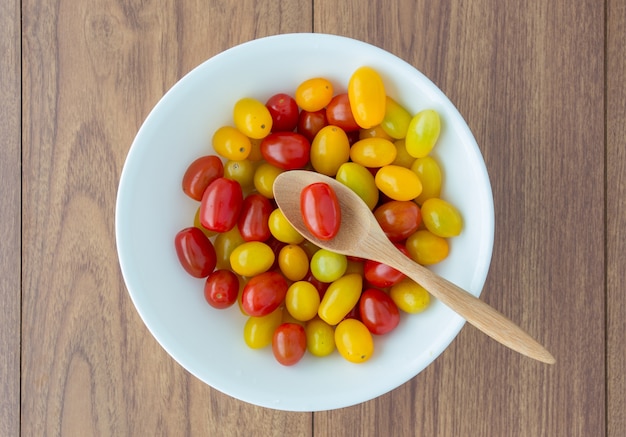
x,y
373,152
251,258
360,180
409,296
293,262
200,174
397,119
398,218
286,150
284,111
258,331
240,171
320,337
374,132
320,210
378,311
289,343
195,252
252,118
403,159
340,297
422,133
367,97
429,172
328,266
197,224
398,183
339,113
225,243
302,300
230,143
329,150
427,248
264,177
381,275
263,293
354,341
282,230
310,123
314,94
441,218
255,212
221,289
221,205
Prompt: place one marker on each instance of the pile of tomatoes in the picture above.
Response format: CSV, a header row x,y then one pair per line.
x,y
296,296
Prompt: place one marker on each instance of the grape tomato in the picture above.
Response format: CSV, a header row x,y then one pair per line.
x,y
320,210
200,174
195,252
284,111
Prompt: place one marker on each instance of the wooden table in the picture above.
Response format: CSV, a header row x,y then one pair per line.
x,y
541,84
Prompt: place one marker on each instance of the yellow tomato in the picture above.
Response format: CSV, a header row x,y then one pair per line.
x,y
429,172
423,133
441,218
409,296
293,262
366,92
373,152
302,300
354,341
398,183
330,148
258,331
252,118
374,132
360,180
327,266
264,177
340,297
282,230
320,337
427,248
397,119
251,258
240,171
314,94
225,243
230,143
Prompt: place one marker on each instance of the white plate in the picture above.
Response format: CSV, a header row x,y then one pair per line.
x,y
151,209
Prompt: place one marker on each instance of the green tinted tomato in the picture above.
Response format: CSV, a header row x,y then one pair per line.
x,y
196,222
200,174
289,343
397,119
373,152
225,243
340,297
441,218
327,266
320,337
366,92
230,143
374,132
263,293
428,171
195,252
360,180
293,262
264,177
251,258
252,118
309,248
302,300
240,171
409,296
427,248
423,133
258,331
354,341
282,230
314,94
403,159
330,149
398,183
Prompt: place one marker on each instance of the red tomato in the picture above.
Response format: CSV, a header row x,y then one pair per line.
x,y
339,113
195,252
286,150
284,111
381,275
398,219
378,311
221,289
200,174
263,293
310,123
221,205
255,212
289,343
320,210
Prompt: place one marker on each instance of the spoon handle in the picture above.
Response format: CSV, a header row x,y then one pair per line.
x,y
475,311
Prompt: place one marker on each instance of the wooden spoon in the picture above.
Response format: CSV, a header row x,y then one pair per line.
x,y
361,236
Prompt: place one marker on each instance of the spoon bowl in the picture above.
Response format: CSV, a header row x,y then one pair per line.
x,y
360,236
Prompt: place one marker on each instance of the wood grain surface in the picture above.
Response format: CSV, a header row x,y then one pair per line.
x,y
541,85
